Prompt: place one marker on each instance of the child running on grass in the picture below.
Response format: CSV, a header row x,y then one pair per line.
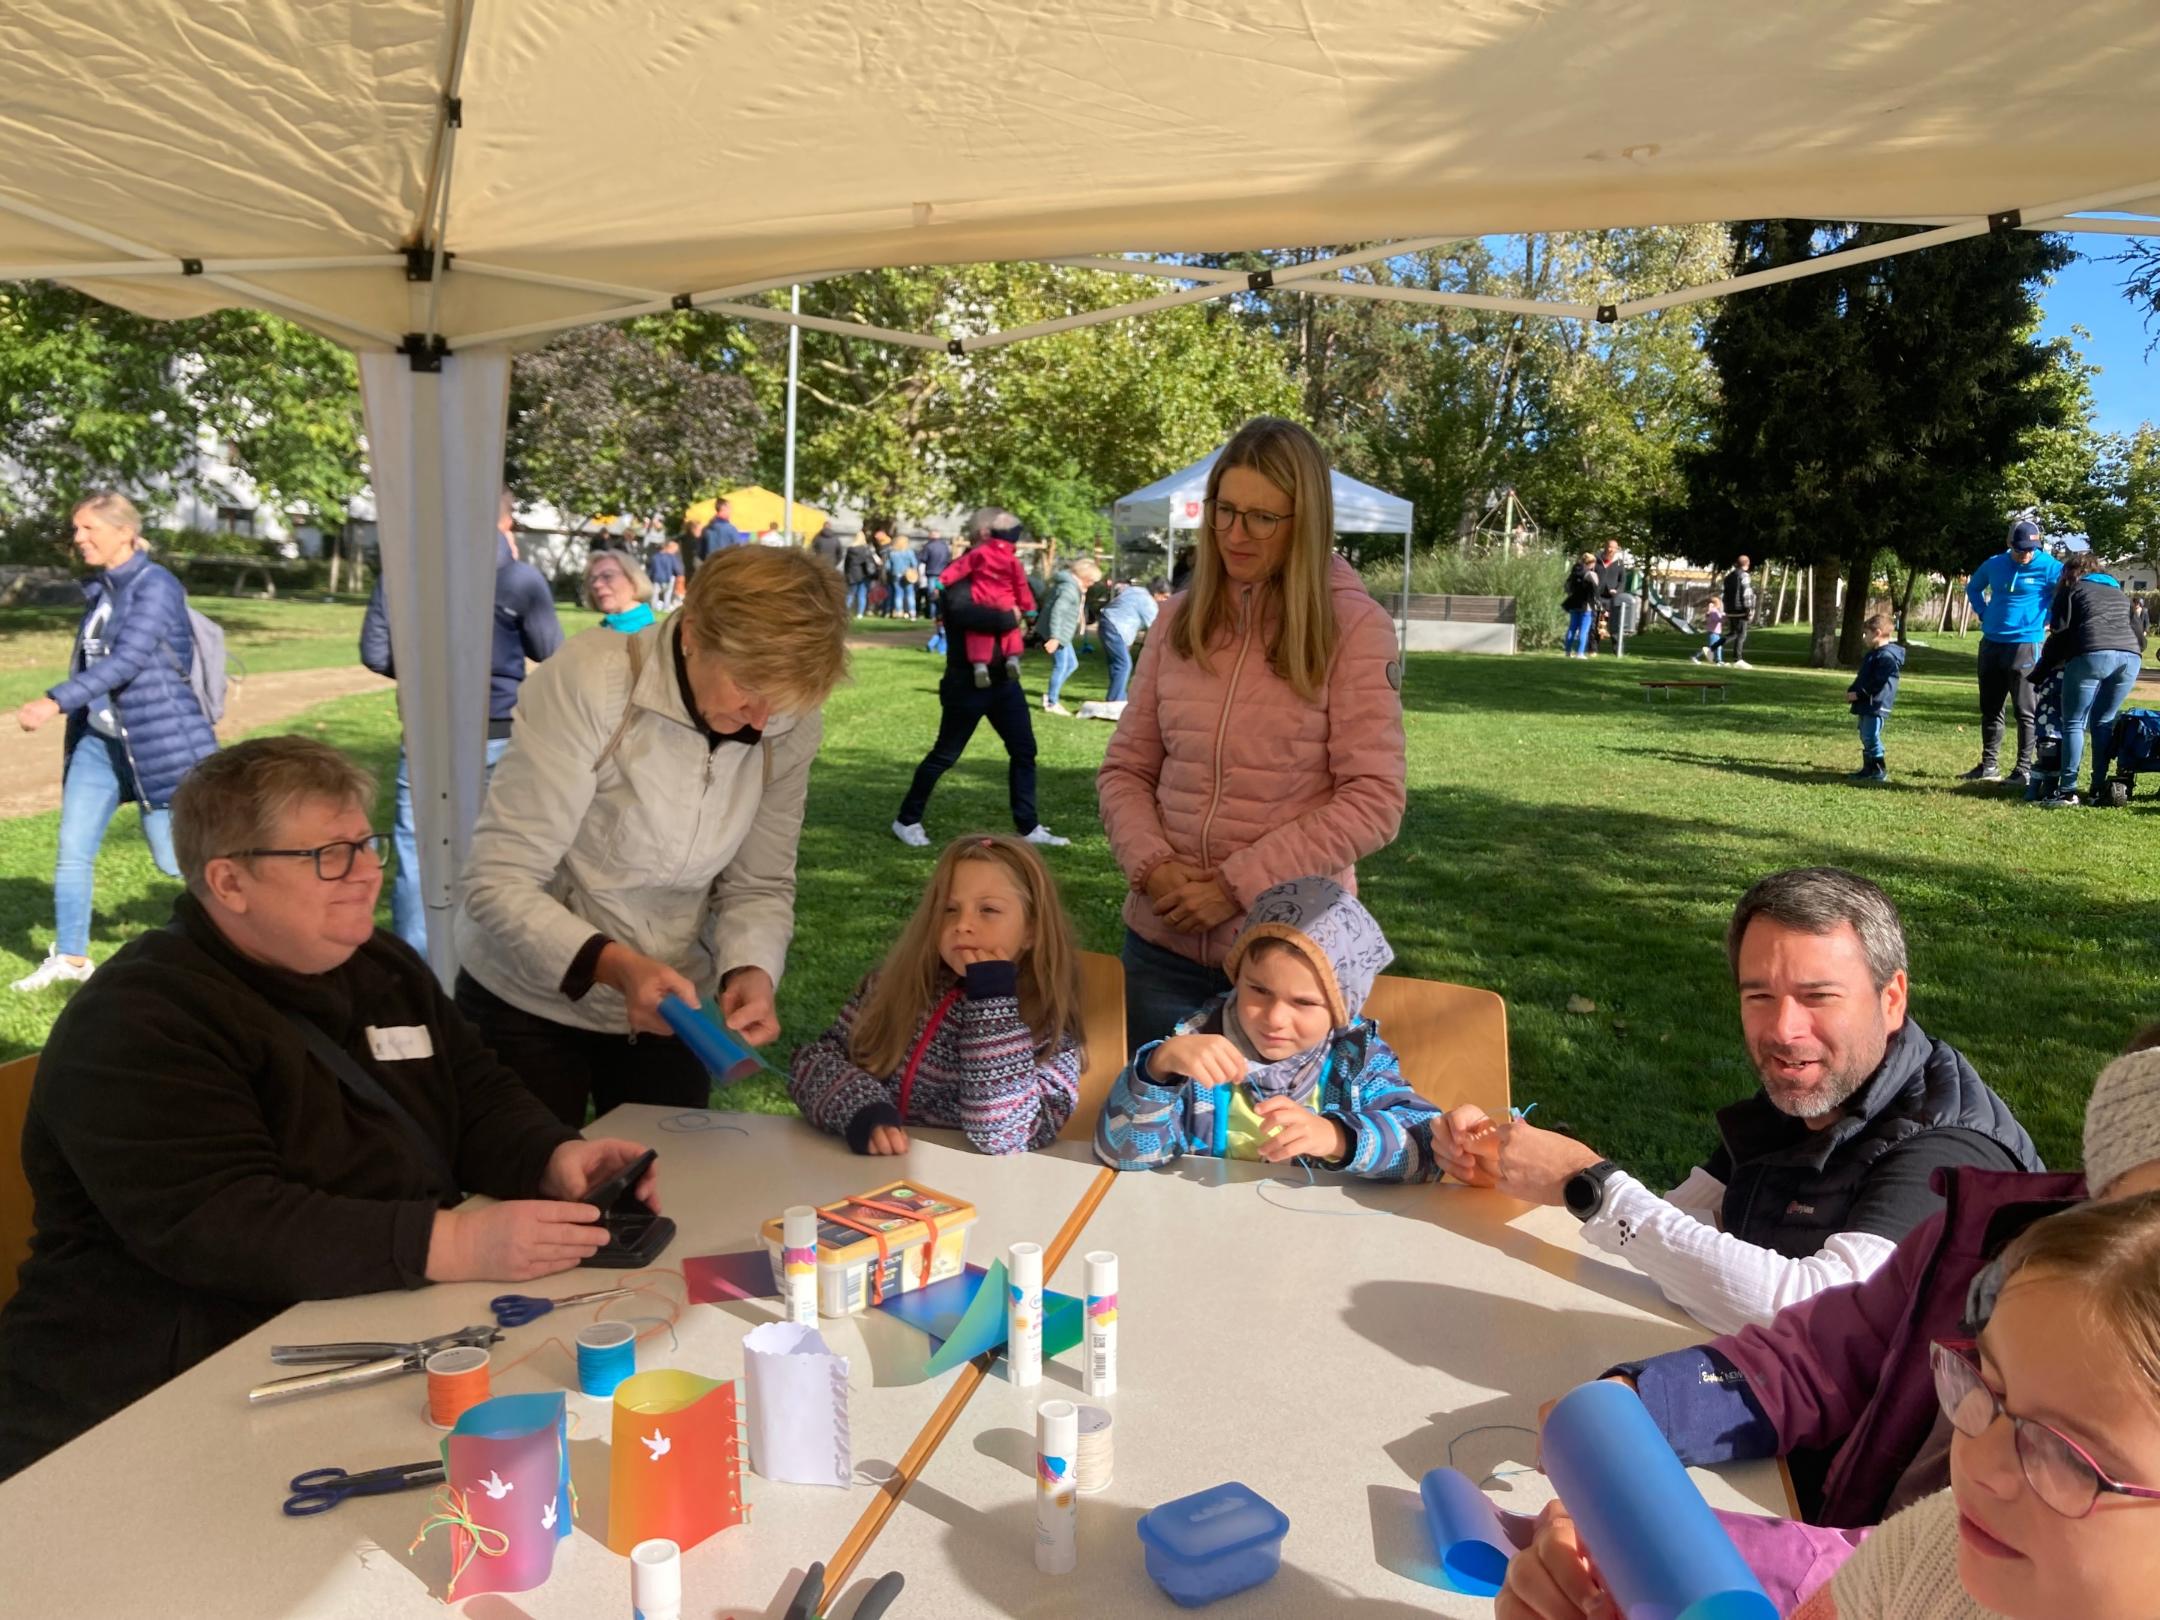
x,y
1283,1067
1873,694
972,1021
1713,623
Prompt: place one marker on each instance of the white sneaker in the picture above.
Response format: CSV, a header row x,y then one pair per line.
x,y
911,832
57,969
1698,658
1043,835
1052,707
1739,663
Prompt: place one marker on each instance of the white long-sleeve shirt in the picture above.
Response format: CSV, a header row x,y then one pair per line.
x,y
1722,1281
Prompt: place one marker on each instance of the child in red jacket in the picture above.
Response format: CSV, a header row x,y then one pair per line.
x,y
996,580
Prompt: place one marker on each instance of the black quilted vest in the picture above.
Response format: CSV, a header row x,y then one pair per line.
x,y
1789,1189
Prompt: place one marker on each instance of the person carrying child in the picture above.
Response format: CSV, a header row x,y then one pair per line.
x,y
972,1021
998,581
1874,692
1284,1067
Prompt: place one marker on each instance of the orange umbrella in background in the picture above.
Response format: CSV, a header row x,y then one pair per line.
x,y
753,507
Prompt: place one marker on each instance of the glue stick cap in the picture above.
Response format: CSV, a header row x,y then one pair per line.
x,y
1102,1272
656,1578
798,1226
1025,1264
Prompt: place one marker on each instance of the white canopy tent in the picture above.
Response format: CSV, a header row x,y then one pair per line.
x,y
1174,505
401,175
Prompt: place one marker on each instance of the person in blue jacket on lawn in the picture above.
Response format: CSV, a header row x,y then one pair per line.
x,y
1873,694
2011,592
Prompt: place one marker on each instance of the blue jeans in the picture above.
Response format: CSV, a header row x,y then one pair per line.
x,y
1871,734
1120,656
858,600
2095,687
903,599
1580,623
408,917
1162,987
97,779
1062,664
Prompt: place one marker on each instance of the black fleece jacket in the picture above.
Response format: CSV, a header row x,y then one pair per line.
x,y
196,1171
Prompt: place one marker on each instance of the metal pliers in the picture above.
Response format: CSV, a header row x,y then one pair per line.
x,y
363,1361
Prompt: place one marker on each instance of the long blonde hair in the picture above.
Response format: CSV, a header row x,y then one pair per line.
x,y
914,975
1306,634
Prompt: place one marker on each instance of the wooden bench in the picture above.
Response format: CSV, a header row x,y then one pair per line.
x,y
1702,689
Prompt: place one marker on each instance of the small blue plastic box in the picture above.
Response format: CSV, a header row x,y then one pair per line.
x,y
1213,1543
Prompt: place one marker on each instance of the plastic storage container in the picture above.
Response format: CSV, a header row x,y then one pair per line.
x,y
891,1240
1213,1543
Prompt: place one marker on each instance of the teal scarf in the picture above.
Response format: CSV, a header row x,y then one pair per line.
x,y
631,620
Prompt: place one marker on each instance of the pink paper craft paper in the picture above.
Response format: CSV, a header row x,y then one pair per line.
x,y
507,1464
712,1278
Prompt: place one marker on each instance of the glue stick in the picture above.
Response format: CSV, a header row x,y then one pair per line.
x,y
656,1580
798,1263
1023,1327
1057,1446
1100,1373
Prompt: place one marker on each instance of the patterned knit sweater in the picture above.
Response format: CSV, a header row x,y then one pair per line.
x,y
974,1066
1907,1570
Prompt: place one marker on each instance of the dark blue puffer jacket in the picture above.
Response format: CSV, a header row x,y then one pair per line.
x,y
146,673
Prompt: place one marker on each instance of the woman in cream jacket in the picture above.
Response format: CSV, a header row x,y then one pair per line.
x,y
639,836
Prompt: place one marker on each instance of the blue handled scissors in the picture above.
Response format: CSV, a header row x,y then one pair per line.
x,y
515,1310
321,1489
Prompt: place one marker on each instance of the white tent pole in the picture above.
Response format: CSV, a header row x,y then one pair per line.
x,y
1802,268
1446,300
820,323
1147,267
2097,227
206,267
75,227
1097,317
794,353
445,130
435,445
537,278
306,311
562,323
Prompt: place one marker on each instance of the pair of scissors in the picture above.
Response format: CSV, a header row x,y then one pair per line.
x,y
812,1592
515,1310
321,1489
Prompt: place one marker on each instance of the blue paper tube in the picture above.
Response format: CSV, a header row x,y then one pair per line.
x,y
1653,1538
1466,1533
715,1045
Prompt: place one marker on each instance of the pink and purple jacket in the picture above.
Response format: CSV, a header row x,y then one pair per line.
x,y
1228,769
996,580
1842,1379
971,1065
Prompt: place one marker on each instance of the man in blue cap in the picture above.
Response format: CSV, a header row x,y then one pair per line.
x,y
2011,592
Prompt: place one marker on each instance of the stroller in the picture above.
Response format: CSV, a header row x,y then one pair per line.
x,y
2047,736
2133,746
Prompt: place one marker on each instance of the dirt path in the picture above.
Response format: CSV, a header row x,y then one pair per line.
x,y
30,761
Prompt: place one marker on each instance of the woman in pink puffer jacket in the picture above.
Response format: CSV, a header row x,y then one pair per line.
x,y
1263,738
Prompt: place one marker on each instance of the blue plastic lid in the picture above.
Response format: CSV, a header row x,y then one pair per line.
x,y
1207,1524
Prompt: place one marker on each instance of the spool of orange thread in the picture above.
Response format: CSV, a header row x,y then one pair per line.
x,y
457,1381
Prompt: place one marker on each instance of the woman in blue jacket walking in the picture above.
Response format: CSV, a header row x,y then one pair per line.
x,y
134,727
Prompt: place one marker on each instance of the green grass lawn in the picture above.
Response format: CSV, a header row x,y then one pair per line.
x,y
1563,838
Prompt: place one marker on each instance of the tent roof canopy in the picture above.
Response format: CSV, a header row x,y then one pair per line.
x,y
173,157
1175,502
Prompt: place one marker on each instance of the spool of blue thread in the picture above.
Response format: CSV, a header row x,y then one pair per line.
x,y
1221,1141
606,1355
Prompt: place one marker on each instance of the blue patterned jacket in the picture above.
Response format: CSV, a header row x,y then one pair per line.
x,y
1145,1123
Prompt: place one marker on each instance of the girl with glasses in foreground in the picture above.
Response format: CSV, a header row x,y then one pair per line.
x,y
2054,1422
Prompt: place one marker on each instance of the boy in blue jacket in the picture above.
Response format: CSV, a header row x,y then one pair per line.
x,y
1284,1067
1874,692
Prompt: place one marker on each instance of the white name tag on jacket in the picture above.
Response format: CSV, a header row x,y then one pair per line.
x,y
400,1043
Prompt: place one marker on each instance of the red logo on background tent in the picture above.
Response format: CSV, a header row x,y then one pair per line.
x,y
1192,508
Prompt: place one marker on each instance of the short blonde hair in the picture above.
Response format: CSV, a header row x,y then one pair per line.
x,y
776,619
235,798
114,507
640,581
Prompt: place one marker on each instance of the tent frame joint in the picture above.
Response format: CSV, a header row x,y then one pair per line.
x,y
2009,219
191,267
956,347
1608,314
454,111
426,350
420,263
680,301
1260,281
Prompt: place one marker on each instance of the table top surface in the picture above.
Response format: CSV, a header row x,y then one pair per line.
x,y
1296,1338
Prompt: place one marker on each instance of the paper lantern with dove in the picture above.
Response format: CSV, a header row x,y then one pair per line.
x,y
676,1468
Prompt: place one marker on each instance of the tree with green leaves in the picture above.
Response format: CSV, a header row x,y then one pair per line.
x,y
1870,408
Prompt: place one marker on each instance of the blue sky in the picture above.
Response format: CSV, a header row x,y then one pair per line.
x,y
2089,294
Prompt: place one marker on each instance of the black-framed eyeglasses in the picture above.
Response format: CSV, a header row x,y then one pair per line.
x,y
2057,1468
333,862
1260,525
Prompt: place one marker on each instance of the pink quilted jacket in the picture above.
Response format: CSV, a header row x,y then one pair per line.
x,y
1230,769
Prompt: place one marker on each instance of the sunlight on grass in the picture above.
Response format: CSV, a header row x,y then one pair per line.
x,y
1564,838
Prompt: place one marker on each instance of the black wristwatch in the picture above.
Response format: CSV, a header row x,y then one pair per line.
x,y
1585,1189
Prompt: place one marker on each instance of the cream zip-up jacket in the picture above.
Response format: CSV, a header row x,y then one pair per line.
x,y
1229,769
609,814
